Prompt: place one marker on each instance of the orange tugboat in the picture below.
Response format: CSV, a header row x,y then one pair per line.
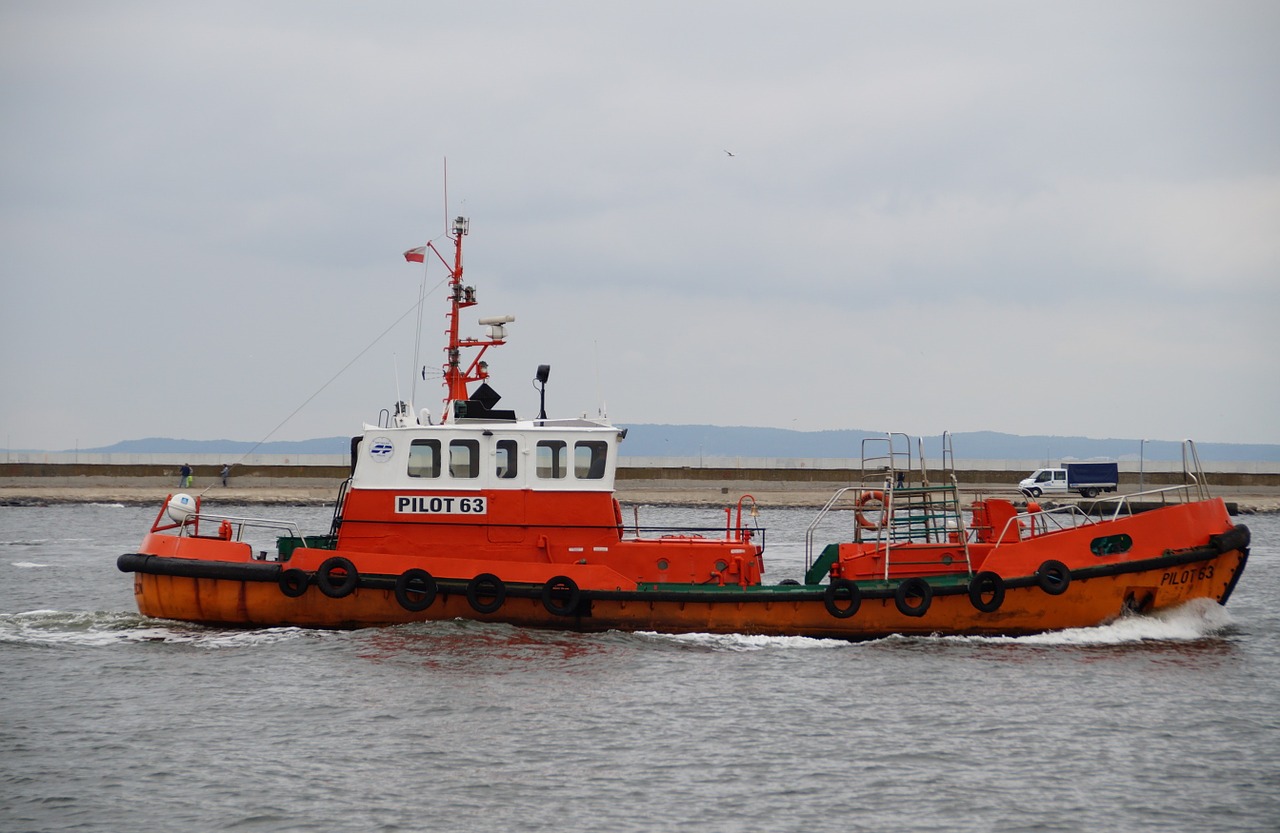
x,y
485,516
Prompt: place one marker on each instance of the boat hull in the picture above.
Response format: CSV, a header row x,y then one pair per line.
x,y
250,595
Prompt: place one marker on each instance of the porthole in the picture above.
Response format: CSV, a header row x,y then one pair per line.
x,y
1111,545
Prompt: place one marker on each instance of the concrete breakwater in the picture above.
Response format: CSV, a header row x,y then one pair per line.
x,y
27,483
652,476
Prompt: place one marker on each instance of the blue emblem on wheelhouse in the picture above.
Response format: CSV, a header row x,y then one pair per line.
x,y
381,449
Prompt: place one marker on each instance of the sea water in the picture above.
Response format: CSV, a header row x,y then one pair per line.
x,y
113,722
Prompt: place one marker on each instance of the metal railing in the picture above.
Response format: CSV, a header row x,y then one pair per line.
x,y
191,528
813,525
1185,492
1038,523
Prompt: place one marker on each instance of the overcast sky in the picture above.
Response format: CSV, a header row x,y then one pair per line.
x,y
1034,218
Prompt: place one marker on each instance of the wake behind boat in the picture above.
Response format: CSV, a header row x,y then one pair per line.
x,y
483,515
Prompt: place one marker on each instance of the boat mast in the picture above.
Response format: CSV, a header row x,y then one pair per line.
x,y
460,297
455,384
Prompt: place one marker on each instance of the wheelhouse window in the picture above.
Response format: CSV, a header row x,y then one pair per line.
x,y
424,458
589,457
505,458
464,458
552,462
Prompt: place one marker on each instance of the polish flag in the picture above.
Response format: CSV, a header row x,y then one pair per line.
x,y
418,255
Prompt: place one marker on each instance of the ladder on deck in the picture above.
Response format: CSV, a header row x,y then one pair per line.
x,y
914,510
909,508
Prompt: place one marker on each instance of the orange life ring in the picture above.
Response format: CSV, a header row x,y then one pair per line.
x,y
866,498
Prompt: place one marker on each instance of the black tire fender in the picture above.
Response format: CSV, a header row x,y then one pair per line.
x,y
293,582
337,589
841,588
415,589
486,584
913,587
560,596
1053,577
986,583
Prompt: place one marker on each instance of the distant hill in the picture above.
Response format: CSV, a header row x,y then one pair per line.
x,y
729,441
164,445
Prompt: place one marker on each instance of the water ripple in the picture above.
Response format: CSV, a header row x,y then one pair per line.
x,y
102,628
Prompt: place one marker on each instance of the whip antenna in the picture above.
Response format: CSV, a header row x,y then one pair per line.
x,y
417,338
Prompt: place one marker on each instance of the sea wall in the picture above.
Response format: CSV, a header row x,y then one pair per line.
x,y
657,473
204,462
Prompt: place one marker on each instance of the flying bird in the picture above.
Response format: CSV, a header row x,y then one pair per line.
x,y
731,154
